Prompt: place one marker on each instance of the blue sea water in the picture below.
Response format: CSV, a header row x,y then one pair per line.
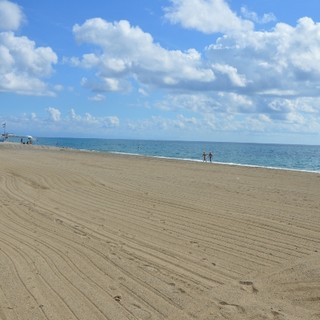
x,y
293,157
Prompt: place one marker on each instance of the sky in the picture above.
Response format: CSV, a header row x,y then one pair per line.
x,y
196,70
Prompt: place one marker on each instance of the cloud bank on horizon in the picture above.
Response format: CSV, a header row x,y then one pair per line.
x,y
249,83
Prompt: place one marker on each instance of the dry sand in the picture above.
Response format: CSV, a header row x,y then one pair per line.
x,y
93,236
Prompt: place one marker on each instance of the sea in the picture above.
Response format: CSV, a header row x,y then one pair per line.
x,y
276,156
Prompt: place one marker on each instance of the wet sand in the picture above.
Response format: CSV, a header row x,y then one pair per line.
x,y
99,236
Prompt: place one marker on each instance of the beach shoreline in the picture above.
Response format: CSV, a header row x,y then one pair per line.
x,y
39,146
295,157
92,235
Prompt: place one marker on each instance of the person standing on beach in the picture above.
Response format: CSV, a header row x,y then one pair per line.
x,y
204,155
210,156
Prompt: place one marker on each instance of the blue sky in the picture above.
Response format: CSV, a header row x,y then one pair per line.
x,y
212,70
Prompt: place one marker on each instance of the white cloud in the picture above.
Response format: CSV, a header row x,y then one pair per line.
x,y
283,61
231,73
111,121
253,62
11,15
264,118
98,97
143,92
204,103
231,112
23,66
208,16
74,116
266,18
55,114
246,80
70,124
130,54
24,57
22,84
89,121
106,84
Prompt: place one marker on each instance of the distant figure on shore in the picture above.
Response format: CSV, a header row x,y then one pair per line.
x,y
204,156
210,156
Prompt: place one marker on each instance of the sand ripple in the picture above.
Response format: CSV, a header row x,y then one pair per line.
x,y
91,236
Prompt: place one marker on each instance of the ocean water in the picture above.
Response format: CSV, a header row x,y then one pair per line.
x,y
280,156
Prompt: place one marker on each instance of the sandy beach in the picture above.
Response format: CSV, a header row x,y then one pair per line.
x,y
93,236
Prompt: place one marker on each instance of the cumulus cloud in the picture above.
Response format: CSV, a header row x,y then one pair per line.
x,y
280,62
243,80
65,124
87,120
128,53
55,114
23,65
253,16
106,84
268,63
58,123
214,103
21,54
232,112
263,65
11,15
208,16
231,73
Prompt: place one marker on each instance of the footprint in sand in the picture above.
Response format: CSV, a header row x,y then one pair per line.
x,y
176,289
195,244
228,309
248,286
117,298
278,316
